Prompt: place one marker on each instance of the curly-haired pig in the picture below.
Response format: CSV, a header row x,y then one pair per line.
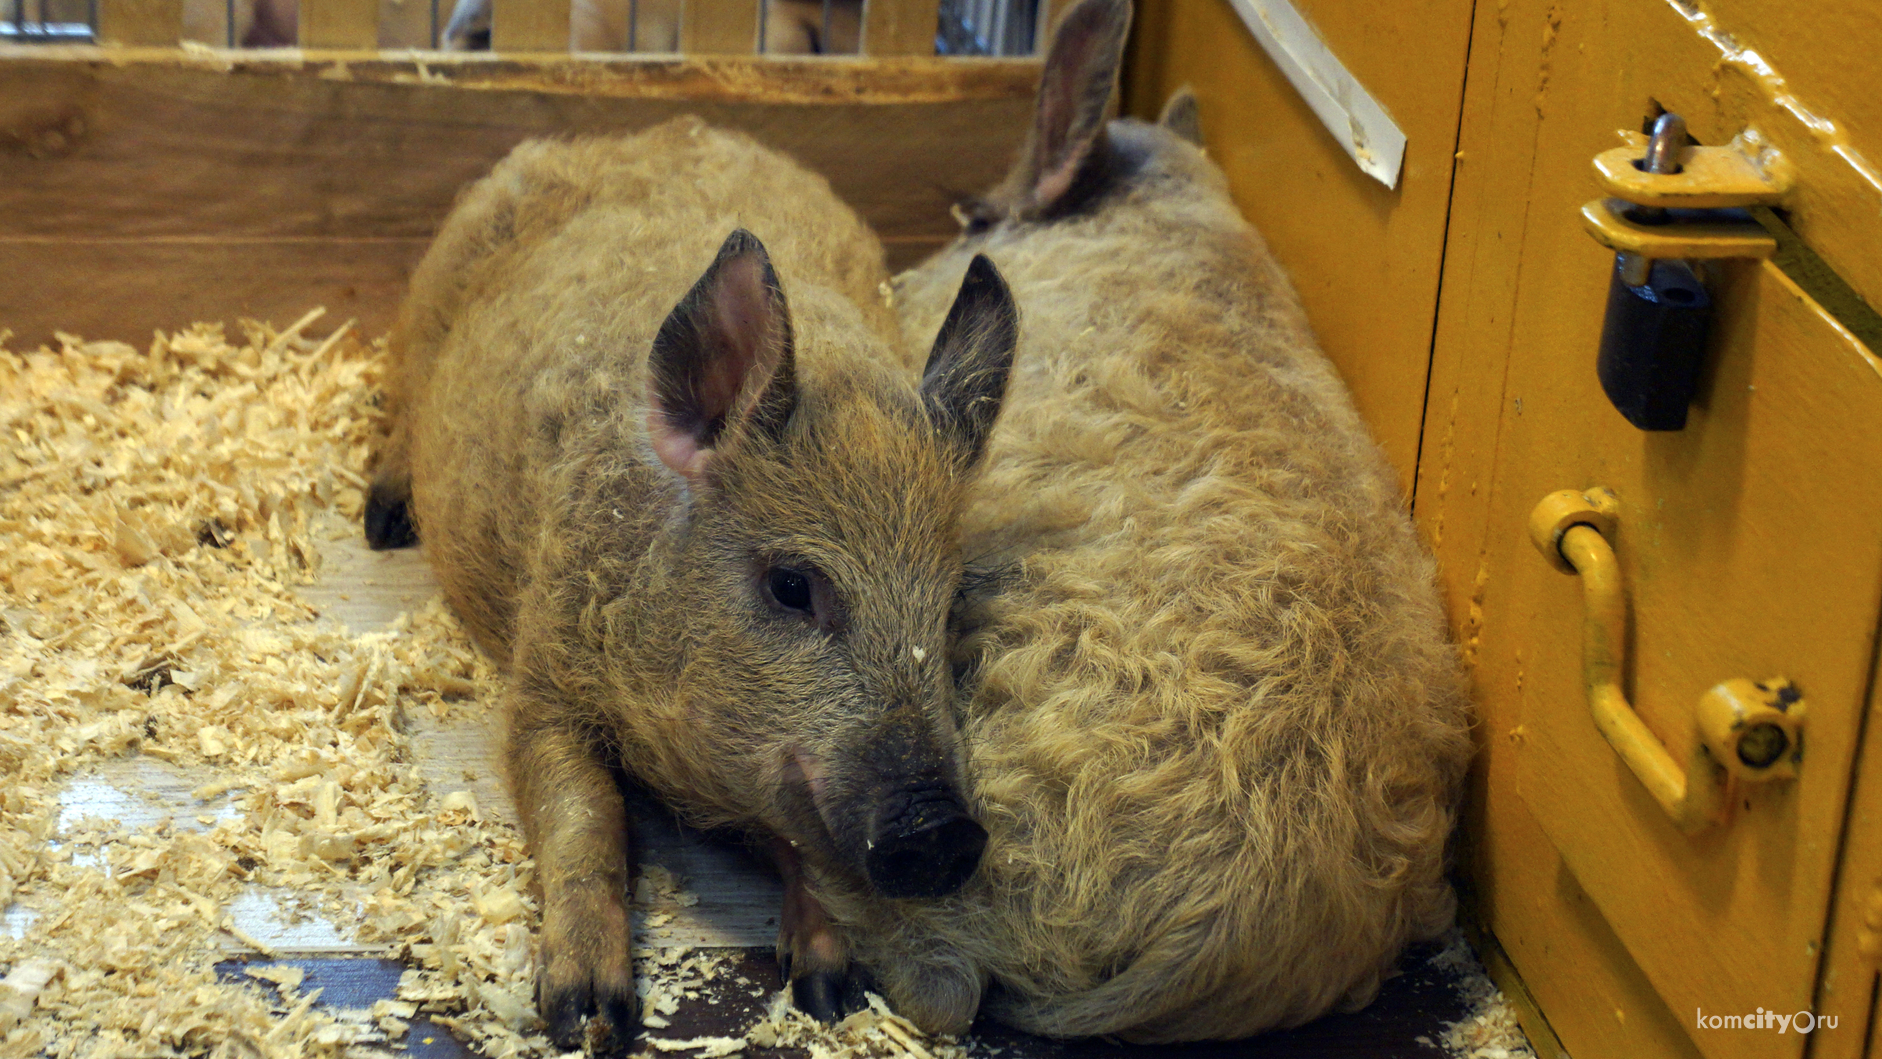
x,y
710,532
1216,728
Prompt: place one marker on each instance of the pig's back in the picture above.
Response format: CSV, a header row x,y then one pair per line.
x,y
521,350
1218,727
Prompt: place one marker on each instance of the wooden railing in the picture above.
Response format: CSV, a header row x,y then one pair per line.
x,y
707,27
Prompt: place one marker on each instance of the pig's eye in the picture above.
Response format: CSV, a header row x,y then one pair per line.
x,y
800,591
789,588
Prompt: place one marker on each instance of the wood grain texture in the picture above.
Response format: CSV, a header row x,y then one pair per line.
x,y
719,27
339,24
140,22
529,25
127,288
1848,986
900,27
149,193
96,150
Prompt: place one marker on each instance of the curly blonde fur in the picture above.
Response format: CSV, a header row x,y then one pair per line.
x,y
1215,727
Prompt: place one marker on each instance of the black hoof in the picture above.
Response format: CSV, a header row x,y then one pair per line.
x,y
831,996
388,524
613,1018
820,996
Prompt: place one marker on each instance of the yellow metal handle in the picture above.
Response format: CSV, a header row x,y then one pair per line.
x,y
1747,730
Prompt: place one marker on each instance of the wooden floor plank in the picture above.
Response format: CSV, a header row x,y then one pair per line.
x,y
1405,1022
354,985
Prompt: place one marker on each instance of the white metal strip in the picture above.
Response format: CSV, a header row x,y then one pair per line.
x,y
1348,111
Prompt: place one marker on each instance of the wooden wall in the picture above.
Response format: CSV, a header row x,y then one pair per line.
x,y
145,188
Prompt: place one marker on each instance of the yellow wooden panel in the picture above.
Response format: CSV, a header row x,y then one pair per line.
x,y
407,23
1749,547
719,27
529,25
1364,257
1827,63
140,22
1518,322
900,27
339,24
1848,985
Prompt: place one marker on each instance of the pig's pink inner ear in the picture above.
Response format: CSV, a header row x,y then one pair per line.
x,y
745,326
678,449
722,360
1080,71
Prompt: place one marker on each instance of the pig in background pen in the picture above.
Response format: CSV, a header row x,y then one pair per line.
x,y
719,551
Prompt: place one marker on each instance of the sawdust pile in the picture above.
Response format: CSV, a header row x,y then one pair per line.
x,y
158,508
873,1032
1489,1029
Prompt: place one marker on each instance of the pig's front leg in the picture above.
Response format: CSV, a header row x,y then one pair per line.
x,y
576,824
812,956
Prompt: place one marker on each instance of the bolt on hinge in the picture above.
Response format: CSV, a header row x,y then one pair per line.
x,y
1688,202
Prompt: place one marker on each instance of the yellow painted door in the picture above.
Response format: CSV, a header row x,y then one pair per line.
x,y
1848,980
1365,257
1750,542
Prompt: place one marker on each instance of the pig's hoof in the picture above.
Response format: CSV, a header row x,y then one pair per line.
x,y
820,995
829,996
613,1017
388,522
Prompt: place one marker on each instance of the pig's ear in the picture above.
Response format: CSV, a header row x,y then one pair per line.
x,y
1180,116
1074,94
722,361
965,380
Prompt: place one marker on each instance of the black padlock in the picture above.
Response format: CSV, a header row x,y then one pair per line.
x,y
1653,343
1653,340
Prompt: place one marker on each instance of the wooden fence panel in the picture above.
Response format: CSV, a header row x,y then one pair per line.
x,y
147,193
339,24
140,22
900,27
529,26
719,27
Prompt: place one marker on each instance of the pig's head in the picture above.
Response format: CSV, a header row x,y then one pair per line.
x,y
1076,162
817,547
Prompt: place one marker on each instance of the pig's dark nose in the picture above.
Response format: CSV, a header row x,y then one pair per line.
x,y
927,846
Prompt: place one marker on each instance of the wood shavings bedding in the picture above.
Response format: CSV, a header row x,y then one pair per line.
x,y
159,509
868,1034
1489,1029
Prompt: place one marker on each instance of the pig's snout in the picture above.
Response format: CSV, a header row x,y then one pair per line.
x,y
923,845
